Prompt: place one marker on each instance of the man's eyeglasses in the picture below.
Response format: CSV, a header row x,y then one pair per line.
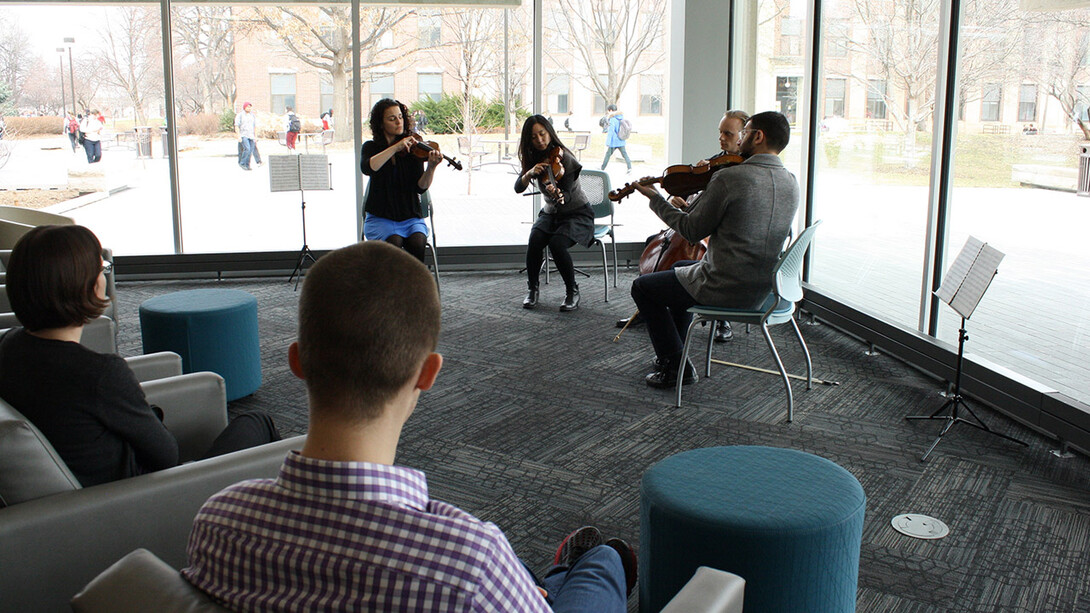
x,y
107,267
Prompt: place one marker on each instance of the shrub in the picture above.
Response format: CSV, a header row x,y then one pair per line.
x,y
203,124
227,120
445,116
30,126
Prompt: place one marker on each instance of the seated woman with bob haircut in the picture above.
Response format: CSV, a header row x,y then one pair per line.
x,y
88,404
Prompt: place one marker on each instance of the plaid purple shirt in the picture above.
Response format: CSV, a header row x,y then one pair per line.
x,y
351,536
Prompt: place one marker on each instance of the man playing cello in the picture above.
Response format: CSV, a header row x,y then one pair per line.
x,y
746,213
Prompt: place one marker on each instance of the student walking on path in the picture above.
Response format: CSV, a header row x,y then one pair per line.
x,y
617,131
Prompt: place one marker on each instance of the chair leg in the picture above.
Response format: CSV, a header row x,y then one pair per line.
x,y
605,269
806,352
708,353
685,358
434,263
613,240
783,373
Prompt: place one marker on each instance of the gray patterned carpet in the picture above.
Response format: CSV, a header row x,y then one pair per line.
x,y
540,423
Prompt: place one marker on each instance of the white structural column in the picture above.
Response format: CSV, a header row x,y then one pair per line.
x,y
696,95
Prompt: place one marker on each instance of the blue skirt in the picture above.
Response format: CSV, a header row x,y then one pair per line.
x,y
377,228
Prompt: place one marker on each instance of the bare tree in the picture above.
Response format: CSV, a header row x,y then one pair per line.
x,y
519,45
1057,53
130,55
42,89
321,37
15,55
611,39
205,35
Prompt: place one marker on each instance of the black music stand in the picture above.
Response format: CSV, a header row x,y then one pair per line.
x,y
965,283
298,173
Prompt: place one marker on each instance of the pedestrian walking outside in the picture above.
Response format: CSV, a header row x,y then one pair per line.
x,y
617,131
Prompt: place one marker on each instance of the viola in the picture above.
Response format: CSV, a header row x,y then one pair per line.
x,y
421,148
682,179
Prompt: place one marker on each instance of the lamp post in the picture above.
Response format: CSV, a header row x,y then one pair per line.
x,y
71,42
60,57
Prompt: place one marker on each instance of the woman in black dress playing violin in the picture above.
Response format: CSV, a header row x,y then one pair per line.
x,y
566,217
392,211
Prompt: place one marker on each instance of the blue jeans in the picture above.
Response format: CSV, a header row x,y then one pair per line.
x,y
609,154
93,149
594,583
663,303
248,150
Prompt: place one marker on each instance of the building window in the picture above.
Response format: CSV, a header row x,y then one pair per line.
x,y
382,86
834,97
990,102
651,94
838,37
599,104
386,41
787,95
1027,103
876,99
430,27
325,94
429,85
791,36
558,91
282,87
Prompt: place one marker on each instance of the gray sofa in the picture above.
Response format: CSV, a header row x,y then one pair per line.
x,y
55,536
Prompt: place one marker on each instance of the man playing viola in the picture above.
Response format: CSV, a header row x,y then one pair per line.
x,y
729,127
746,212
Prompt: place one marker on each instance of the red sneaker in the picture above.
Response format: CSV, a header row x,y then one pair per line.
x,y
628,560
576,544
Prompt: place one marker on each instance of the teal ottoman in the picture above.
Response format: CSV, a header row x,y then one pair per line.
x,y
788,522
212,329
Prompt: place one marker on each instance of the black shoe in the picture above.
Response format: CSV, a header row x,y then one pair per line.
x,y
659,364
667,378
530,301
723,333
571,300
636,320
576,544
628,561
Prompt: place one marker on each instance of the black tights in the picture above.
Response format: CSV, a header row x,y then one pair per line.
x,y
535,252
414,244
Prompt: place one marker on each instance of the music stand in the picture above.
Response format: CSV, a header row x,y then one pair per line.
x,y
288,173
965,283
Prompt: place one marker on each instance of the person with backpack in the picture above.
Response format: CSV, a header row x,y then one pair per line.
x,y
71,128
294,126
618,129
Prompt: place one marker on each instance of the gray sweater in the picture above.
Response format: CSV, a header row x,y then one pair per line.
x,y
746,212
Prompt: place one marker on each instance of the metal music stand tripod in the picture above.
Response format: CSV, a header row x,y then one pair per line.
x,y
298,173
966,281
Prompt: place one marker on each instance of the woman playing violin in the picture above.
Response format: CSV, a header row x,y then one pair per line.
x,y
392,211
566,217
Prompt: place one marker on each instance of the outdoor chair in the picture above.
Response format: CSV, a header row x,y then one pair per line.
x,y
581,143
778,308
326,138
469,148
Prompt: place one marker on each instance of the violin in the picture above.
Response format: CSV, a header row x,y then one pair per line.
x,y
421,148
682,179
555,170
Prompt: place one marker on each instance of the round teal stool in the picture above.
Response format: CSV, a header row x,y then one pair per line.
x,y
212,329
788,522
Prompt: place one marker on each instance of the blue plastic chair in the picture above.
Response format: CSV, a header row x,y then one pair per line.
x,y
595,184
778,308
425,205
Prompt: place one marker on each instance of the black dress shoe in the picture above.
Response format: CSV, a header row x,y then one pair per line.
x,y
636,320
571,300
723,333
667,377
531,299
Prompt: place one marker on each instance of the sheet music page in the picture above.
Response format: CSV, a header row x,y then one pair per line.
x,y
315,171
977,282
955,276
283,173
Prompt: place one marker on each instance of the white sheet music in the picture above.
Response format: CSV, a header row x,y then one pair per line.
x,y
969,276
292,173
